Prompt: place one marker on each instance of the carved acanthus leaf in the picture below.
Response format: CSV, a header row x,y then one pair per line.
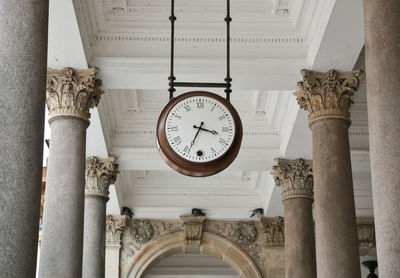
x,y
193,228
72,92
327,95
115,225
295,177
100,173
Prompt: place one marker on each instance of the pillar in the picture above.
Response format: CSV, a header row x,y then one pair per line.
x,y
115,226
327,97
100,173
23,59
69,96
382,60
295,178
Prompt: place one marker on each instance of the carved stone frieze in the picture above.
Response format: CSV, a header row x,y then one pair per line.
x,y
100,173
193,228
245,233
294,177
141,231
327,95
274,229
115,225
72,92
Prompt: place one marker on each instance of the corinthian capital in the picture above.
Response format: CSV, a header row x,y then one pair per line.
x,y
115,225
100,173
327,95
295,177
72,92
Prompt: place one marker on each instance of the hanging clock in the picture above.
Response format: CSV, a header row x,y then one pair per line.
x,y
199,133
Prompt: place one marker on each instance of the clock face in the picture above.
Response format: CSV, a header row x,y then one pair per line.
x,y
200,128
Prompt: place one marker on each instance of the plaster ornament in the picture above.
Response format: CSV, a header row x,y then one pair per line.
x,y
294,177
115,225
99,175
141,231
193,229
71,93
327,95
245,233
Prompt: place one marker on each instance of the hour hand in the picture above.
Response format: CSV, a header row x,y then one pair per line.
x,y
212,131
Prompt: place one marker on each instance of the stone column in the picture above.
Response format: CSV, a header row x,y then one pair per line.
x,y
327,97
295,178
23,55
115,225
382,60
70,94
100,173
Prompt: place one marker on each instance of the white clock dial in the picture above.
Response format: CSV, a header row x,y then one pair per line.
x,y
200,128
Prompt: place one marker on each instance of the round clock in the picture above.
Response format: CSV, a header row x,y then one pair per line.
x,y
199,133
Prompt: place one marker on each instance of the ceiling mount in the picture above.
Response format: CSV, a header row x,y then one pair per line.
x,y
227,85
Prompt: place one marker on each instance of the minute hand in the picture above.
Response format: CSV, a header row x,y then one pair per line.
x,y
200,128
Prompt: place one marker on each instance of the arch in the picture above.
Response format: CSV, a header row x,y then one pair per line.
x,y
212,244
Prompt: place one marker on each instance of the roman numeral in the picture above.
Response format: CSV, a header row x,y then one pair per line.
x,y
187,108
222,141
200,105
177,140
222,117
186,149
177,116
225,129
213,151
174,128
213,107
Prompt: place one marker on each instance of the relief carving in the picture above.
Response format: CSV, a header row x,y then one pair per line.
x,y
193,228
245,233
99,175
115,225
72,92
141,231
294,177
274,230
327,95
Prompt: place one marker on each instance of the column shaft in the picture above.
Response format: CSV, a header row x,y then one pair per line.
x,y
335,221
93,265
62,238
23,52
299,239
382,55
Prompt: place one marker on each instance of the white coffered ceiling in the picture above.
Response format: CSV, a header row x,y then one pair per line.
x,y
128,40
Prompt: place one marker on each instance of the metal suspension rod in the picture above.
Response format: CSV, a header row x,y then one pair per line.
x,y
228,78
171,77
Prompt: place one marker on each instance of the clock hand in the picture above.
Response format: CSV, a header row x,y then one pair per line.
x,y
199,127
197,133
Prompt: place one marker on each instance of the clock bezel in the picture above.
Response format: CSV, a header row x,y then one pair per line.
x,y
192,168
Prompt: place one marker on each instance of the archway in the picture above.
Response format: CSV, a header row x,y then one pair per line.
x,y
212,244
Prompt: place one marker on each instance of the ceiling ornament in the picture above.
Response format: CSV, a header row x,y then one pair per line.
x,y
71,93
327,94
